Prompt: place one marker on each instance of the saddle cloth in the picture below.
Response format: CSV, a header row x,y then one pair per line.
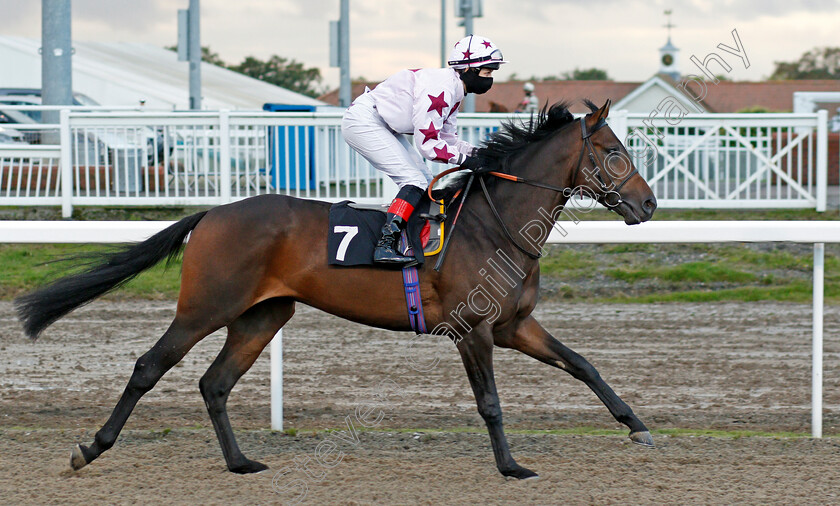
x,y
354,232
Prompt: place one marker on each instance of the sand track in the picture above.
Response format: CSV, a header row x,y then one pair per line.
x,y
723,366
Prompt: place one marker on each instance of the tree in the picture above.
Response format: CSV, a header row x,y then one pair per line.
x,y
211,57
818,63
206,55
534,79
593,74
280,71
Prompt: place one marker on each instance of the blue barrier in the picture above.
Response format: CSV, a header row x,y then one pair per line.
x,y
298,165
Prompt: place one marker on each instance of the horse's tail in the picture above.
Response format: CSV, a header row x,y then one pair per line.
x,y
106,271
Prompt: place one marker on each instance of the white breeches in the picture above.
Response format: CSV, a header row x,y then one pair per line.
x,y
365,131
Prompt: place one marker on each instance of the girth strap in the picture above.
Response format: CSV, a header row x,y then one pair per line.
x,y
411,283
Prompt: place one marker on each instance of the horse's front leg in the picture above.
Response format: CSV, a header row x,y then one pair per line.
x,y
533,340
476,351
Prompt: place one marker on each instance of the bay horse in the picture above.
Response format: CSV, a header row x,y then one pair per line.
x,y
247,263
497,107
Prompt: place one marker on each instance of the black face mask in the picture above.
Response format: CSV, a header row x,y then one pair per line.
x,y
475,83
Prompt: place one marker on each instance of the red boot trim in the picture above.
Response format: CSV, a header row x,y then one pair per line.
x,y
401,208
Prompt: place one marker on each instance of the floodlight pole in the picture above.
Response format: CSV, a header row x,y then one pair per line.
x,y
345,90
56,51
469,100
443,33
195,54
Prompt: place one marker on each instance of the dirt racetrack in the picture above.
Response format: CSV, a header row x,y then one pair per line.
x,y
730,366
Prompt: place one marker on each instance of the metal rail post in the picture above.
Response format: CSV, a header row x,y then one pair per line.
x,y
224,157
822,159
817,342
277,381
66,164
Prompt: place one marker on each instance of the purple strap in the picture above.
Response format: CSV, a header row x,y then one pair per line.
x,y
411,281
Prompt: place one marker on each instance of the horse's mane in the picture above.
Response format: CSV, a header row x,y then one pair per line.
x,y
514,136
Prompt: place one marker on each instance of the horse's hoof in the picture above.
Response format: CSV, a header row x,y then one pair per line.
x,y
77,458
520,473
249,466
642,438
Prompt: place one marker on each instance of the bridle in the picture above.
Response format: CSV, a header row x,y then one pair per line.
x,y
608,189
609,198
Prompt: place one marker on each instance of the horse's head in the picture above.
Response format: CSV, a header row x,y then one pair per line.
x,y
606,170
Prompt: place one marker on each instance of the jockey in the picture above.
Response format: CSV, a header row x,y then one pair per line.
x,y
423,102
530,103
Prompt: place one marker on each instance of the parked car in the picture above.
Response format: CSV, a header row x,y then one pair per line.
x,y
20,120
11,136
78,98
104,141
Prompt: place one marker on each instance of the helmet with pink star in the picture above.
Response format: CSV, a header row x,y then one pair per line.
x,y
475,51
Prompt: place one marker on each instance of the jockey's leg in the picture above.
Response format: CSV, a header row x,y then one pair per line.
x,y
365,131
386,251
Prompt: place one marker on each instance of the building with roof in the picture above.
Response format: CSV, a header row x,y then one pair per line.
x,y
126,73
670,81
644,97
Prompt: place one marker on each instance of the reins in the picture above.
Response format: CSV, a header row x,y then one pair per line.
x,y
608,189
510,237
448,238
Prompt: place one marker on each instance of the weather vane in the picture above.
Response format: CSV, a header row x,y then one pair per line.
x,y
669,25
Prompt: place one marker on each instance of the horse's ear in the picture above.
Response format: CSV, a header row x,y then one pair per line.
x,y
604,111
599,115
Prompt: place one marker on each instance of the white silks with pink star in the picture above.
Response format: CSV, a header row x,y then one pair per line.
x,y
425,102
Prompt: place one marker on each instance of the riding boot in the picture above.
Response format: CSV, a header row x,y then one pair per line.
x,y
396,220
387,251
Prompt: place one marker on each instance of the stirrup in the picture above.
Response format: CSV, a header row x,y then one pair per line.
x,y
387,255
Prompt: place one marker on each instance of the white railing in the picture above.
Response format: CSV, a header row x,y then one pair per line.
x,y
733,160
593,232
209,158
30,175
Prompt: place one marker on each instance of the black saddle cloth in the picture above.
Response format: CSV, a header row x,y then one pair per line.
x,y
354,232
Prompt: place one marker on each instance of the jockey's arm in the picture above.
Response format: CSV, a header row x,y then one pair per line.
x,y
449,133
435,134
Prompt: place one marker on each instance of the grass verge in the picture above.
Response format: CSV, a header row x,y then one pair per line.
x,y
646,273
28,266
574,431
592,431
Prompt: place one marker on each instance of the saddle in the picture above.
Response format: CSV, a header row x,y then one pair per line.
x,y
354,230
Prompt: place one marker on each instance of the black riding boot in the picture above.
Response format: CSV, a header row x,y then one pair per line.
x,y
400,210
387,251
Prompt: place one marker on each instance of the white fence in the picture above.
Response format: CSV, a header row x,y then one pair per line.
x,y
734,160
209,158
593,232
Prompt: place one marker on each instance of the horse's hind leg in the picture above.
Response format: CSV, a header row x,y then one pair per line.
x,y
247,336
178,339
533,340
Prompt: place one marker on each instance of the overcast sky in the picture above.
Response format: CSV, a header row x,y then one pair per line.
x,y
538,37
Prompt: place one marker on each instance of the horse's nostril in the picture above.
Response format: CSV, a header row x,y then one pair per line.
x,y
650,204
